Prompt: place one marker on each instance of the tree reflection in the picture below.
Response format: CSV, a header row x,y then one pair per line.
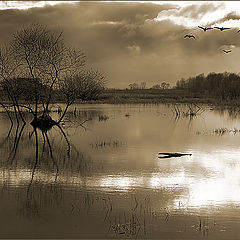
x,y
34,158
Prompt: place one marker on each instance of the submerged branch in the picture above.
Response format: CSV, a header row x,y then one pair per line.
x,y
170,155
64,112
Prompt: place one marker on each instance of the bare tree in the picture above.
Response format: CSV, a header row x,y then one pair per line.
x,y
133,86
9,69
85,86
163,85
37,63
167,86
143,85
44,57
89,84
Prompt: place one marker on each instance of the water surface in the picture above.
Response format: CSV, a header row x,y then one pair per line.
x,y
103,178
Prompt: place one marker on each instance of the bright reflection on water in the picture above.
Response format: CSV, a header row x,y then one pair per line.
x,y
106,175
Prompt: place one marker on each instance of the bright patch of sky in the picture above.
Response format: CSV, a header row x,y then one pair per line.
x,y
30,4
217,11
220,10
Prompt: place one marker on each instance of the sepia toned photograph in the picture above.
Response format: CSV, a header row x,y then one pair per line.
x,y
120,120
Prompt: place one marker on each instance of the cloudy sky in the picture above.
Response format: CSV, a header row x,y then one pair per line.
x,y
138,41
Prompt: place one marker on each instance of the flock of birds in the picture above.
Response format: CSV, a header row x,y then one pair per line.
x,y
209,28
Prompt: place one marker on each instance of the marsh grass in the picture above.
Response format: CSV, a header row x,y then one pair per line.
x,y
118,96
103,118
222,131
115,143
219,131
205,225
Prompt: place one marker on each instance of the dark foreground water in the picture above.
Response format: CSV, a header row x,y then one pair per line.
x,y
103,178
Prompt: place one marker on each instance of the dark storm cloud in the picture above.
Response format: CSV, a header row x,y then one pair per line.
x,y
98,23
104,31
125,40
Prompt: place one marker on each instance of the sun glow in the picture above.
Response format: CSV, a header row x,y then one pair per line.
x,y
181,14
205,179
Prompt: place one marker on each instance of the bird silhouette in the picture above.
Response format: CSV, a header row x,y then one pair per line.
x,y
227,51
221,28
205,28
189,36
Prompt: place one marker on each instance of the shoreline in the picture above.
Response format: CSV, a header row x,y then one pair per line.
x,y
150,96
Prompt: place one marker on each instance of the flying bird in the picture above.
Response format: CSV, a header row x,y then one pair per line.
x,y
221,28
227,51
189,36
205,28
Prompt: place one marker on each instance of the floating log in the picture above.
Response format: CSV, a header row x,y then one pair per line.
x,y
170,155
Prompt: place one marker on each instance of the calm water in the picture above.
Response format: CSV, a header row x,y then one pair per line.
x,y
103,179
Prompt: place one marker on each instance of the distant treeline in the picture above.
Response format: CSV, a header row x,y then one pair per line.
x,y
218,85
143,85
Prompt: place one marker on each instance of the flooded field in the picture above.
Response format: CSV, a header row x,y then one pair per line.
x,y
99,176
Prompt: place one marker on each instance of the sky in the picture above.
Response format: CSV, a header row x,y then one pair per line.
x,y
138,41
